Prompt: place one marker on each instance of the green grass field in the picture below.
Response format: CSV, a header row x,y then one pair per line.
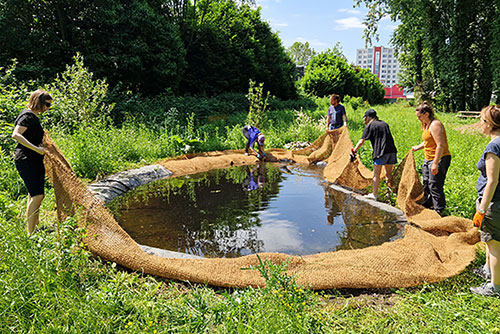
x,y
50,284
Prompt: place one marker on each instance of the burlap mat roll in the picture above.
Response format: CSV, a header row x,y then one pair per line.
x,y
432,249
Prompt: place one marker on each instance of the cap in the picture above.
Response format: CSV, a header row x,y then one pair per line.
x,y
370,113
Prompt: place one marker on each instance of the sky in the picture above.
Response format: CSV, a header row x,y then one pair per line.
x,y
322,23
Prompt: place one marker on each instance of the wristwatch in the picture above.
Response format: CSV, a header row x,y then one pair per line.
x,y
480,211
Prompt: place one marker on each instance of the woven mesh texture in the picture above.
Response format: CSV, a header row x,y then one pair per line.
x,y
432,249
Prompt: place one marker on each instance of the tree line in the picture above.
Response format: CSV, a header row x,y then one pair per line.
x,y
199,47
449,49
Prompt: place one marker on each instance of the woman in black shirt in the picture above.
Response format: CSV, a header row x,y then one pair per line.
x,y
28,155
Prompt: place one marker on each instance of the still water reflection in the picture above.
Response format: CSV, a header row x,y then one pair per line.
x,y
250,209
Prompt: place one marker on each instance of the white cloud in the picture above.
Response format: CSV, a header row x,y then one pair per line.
x,y
278,24
349,23
350,11
312,42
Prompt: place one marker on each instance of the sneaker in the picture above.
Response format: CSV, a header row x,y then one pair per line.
x,y
371,196
486,289
482,272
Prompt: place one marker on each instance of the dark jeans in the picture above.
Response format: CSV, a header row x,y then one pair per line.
x,y
433,184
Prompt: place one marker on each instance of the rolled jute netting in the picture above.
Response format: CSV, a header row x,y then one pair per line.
x,y
432,249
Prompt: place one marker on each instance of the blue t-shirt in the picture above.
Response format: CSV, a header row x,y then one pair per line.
x,y
251,133
336,116
492,147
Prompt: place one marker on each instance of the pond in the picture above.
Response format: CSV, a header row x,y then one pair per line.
x,y
251,209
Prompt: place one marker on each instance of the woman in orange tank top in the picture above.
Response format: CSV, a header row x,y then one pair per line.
x,y
437,158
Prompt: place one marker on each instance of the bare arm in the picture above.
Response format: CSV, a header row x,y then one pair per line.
x,y
492,172
438,133
328,123
418,147
17,135
359,144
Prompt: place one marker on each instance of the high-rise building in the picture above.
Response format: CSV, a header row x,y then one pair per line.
x,y
381,61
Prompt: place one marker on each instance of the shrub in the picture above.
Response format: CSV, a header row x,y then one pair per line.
x,y
78,97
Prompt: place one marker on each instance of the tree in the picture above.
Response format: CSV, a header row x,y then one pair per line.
x,y
329,73
149,46
444,46
300,53
230,45
123,41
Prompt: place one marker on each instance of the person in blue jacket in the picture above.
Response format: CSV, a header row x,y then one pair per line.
x,y
253,135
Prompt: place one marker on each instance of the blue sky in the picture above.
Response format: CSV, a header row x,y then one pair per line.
x,y
322,23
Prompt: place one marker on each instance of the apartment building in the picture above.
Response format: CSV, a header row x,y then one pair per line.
x,y
381,61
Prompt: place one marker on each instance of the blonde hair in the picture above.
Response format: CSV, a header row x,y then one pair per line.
x,y
37,100
491,114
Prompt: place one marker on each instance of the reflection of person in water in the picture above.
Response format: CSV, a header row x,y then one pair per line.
x,y
253,182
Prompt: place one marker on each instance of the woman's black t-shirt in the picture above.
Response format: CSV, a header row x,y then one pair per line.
x,y
33,134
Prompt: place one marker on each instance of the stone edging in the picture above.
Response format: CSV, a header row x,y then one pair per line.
x,y
119,183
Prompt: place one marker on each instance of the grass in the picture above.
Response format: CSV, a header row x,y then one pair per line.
x,y
49,283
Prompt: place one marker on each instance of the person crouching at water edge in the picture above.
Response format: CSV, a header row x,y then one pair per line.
x,y
28,154
253,135
384,150
336,116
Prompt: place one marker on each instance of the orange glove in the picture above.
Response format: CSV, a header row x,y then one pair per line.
x,y
478,219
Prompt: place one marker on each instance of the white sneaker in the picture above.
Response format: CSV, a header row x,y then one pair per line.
x,y
487,289
371,196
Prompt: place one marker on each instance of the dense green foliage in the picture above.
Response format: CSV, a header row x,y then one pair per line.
x,y
448,49
49,282
329,73
152,46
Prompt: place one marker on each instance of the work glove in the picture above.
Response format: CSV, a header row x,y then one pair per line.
x,y
478,219
352,156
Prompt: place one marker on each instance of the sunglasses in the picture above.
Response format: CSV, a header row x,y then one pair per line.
x,y
48,104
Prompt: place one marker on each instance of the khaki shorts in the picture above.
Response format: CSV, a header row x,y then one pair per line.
x,y
490,228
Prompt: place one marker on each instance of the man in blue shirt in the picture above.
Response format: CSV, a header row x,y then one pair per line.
x,y
336,114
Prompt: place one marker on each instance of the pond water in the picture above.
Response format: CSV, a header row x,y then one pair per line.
x,y
250,209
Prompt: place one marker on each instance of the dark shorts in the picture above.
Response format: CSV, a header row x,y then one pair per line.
x,y
33,175
386,159
490,228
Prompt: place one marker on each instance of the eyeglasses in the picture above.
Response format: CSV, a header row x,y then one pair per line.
x,y
48,104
